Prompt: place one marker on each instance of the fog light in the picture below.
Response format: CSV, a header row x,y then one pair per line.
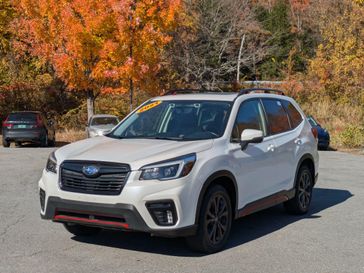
x,y
163,212
169,217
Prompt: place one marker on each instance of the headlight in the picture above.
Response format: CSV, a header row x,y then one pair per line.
x,y
93,133
51,163
171,169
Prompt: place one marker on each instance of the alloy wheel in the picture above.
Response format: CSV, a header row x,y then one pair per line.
x,y
217,220
304,190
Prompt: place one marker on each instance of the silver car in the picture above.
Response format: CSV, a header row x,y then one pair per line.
x,y
100,125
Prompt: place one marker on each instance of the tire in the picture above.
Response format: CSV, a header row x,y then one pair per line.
x,y
52,142
323,148
300,203
44,141
80,230
213,230
6,144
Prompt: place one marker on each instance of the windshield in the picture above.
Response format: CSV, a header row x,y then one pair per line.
x,y
104,121
176,120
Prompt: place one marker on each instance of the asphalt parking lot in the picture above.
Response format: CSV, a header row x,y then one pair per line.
x,y
329,239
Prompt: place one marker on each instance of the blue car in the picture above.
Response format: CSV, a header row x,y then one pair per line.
x,y
323,134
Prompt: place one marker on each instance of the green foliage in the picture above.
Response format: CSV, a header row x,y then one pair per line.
x,y
352,136
281,39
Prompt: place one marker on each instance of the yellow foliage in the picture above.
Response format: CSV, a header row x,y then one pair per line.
x,y
340,58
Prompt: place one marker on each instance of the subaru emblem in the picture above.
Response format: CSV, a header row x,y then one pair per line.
x,y
90,170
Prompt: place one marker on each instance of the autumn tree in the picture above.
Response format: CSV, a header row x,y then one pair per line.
x,y
98,45
339,63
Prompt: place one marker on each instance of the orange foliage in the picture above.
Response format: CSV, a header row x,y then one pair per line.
x,y
98,44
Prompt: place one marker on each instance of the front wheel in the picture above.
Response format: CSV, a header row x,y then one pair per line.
x,y
214,222
80,230
300,203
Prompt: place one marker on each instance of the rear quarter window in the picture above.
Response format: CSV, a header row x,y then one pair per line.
x,y
278,121
294,115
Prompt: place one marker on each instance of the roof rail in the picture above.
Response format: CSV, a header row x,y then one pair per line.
x,y
189,91
264,90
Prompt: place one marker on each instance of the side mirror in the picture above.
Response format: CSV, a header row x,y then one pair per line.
x,y
250,136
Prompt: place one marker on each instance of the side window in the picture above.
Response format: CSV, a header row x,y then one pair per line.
x,y
278,121
250,116
293,113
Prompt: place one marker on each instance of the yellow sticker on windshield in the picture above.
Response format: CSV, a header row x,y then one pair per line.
x,y
149,106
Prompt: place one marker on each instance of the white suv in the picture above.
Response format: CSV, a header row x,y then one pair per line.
x,y
186,164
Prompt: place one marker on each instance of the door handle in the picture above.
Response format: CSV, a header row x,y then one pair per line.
x,y
271,148
298,141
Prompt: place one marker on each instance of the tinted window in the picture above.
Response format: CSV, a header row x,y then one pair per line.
x,y
277,117
29,117
293,113
312,121
250,116
104,121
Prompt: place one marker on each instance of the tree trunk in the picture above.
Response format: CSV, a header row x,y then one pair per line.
x,y
131,89
90,104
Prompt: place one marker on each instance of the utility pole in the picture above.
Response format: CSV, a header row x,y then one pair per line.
x,y
239,57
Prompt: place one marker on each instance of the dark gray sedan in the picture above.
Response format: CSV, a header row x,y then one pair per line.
x,y
28,126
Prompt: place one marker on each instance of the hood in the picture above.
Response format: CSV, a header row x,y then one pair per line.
x,y
135,152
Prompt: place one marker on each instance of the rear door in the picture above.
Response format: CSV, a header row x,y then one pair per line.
x,y
285,142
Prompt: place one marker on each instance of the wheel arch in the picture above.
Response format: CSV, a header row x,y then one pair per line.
x,y
227,180
306,159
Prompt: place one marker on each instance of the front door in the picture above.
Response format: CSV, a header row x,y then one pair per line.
x,y
255,166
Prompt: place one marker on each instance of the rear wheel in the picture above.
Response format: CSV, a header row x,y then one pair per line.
x,y
300,203
52,142
80,230
44,141
214,222
6,144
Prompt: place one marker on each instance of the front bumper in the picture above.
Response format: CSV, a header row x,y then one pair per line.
x,y
130,208
118,216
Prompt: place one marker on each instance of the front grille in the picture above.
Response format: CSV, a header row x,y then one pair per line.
x,y
109,180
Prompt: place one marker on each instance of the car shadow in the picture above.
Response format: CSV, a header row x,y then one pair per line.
x,y
244,230
61,143
34,145
329,149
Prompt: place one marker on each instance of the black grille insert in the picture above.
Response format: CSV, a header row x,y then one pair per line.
x,y
109,180
42,197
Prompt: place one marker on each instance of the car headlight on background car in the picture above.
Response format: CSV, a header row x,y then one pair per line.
x,y
171,169
51,163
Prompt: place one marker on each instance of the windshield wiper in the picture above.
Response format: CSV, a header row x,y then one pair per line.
x,y
147,137
168,138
